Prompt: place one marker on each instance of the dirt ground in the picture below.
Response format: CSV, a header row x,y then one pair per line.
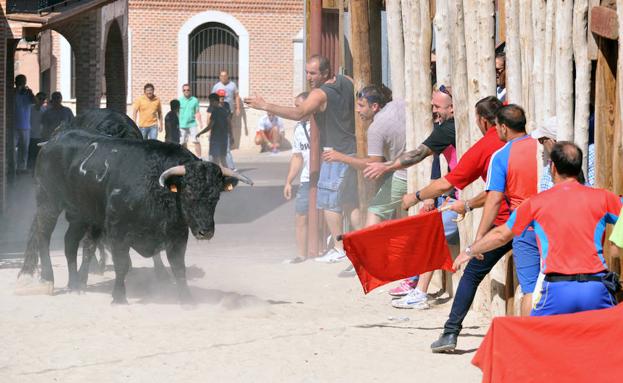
x,y
256,319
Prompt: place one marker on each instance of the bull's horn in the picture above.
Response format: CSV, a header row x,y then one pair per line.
x,y
230,173
40,144
179,170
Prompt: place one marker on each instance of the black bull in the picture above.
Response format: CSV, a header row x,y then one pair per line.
x,y
143,195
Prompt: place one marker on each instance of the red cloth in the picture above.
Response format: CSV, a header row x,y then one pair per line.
x,y
580,347
398,249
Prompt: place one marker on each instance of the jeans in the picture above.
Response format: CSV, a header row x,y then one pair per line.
x,y
331,187
150,132
22,141
229,159
474,273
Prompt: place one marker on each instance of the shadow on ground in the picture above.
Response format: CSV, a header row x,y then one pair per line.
x,y
143,286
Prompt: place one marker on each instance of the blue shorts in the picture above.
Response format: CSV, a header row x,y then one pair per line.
x,y
527,260
301,203
567,297
336,187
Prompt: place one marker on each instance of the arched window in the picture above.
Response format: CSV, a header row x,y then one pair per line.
x,y
212,47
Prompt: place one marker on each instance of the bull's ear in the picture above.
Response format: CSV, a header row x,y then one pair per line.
x,y
173,188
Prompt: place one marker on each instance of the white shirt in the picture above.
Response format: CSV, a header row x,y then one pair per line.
x,y
301,145
266,123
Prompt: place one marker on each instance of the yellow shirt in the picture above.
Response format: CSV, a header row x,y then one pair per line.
x,y
148,111
617,234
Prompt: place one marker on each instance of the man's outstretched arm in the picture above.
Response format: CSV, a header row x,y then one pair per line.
x,y
410,158
314,103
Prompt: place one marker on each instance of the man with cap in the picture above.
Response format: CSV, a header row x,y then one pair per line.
x,y
223,103
546,135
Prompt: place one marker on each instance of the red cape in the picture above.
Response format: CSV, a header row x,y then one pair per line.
x,y
398,249
580,347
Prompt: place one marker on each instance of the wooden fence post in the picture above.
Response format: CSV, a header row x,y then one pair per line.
x,y
564,69
582,78
396,47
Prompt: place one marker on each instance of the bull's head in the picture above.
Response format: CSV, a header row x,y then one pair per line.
x,y
199,185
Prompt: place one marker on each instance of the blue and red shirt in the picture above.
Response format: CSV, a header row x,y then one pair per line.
x,y
514,170
475,163
569,221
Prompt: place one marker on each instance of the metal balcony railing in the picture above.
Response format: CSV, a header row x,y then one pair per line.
x,y
38,6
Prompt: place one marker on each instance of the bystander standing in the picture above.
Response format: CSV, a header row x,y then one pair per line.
x,y
148,110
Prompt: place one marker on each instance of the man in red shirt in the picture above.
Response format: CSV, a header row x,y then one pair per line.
x,y
569,221
511,179
473,164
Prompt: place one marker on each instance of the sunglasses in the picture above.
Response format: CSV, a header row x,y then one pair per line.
x,y
446,90
186,90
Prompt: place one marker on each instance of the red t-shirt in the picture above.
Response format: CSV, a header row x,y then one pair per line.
x,y
570,221
475,163
514,170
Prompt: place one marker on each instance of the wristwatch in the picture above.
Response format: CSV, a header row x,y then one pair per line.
x,y
417,195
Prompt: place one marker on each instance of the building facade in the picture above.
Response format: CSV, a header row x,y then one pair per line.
x,y
170,43
96,30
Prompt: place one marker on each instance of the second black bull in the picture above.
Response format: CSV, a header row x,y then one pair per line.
x,y
143,195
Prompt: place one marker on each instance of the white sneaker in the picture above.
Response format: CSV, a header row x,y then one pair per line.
x,y
414,300
332,256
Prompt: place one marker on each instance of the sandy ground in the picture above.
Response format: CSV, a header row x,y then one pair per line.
x,y
256,319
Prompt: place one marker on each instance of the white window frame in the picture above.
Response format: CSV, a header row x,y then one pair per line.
x,y
243,47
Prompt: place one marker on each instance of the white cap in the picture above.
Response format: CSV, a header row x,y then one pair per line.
x,y
548,129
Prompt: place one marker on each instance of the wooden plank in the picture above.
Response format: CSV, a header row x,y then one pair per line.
x,y
605,117
376,61
592,39
501,21
604,23
362,76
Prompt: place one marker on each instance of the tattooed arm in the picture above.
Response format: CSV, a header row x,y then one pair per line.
x,y
413,157
410,158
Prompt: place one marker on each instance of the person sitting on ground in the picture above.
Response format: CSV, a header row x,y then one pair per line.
x,y
269,133
570,221
172,123
218,126
300,163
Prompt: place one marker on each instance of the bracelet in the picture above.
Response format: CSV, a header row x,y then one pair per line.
x,y
417,195
468,208
468,250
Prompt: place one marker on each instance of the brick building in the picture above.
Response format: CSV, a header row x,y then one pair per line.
x,y
189,41
96,30
265,36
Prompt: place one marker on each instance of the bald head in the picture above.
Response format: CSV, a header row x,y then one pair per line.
x,y
567,159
